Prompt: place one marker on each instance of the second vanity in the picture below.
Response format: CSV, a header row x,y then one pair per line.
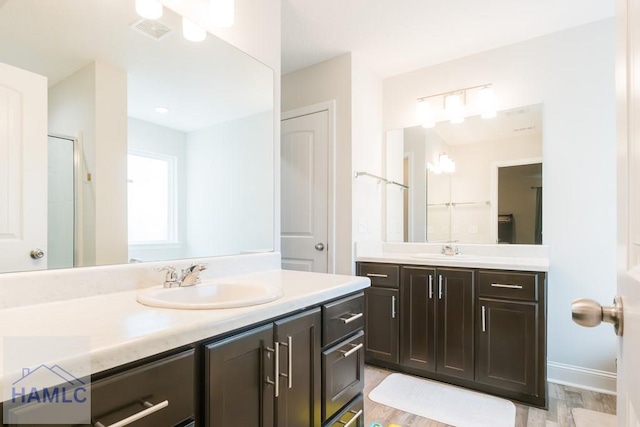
x,y
476,319
297,360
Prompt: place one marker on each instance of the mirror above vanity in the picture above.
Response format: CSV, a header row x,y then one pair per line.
x,y
157,147
479,181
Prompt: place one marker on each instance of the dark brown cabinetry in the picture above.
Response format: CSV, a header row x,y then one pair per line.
x,y
510,333
483,329
277,364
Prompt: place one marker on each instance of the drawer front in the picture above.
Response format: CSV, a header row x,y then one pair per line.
x,y
168,380
341,318
351,416
343,367
508,284
381,274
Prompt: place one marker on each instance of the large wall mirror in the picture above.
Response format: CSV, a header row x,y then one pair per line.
x,y
158,147
479,181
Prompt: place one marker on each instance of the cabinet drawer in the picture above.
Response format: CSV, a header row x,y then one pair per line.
x,y
508,284
168,380
381,274
341,318
343,367
351,416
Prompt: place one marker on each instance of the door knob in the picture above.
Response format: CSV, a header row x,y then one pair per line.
x,y
37,253
587,312
319,247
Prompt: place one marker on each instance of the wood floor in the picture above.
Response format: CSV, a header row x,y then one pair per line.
x,y
561,400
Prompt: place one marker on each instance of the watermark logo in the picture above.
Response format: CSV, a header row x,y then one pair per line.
x,y
37,391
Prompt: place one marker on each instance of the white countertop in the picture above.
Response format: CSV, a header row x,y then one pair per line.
x,y
489,262
121,330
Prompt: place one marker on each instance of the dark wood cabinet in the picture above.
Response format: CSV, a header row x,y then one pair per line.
x,y
455,323
242,372
418,318
382,324
482,329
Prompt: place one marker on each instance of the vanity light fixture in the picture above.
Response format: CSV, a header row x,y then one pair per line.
x,y
192,31
161,110
455,105
222,13
149,9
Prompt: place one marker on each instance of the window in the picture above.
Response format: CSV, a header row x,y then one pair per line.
x,y
152,198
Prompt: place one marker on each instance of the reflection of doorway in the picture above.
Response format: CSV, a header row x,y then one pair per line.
x,y
61,202
520,204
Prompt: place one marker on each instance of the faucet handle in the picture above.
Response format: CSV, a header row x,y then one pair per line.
x,y
171,275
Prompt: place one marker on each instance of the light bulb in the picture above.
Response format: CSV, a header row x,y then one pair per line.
x,y
149,9
222,13
486,103
192,32
453,108
425,114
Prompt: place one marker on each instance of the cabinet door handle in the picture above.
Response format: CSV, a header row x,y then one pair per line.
x,y
276,382
430,286
289,374
151,408
500,285
377,275
353,317
440,286
353,350
352,420
393,307
484,319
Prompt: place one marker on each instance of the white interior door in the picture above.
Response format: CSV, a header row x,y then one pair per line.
x,y
628,67
304,219
23,169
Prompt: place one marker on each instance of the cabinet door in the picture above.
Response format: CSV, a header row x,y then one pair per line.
x,y
381,330
299,372
418,318
236,389
507,345
455,323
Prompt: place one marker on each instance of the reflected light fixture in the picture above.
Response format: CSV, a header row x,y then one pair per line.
x,y
455,105
149,9
425,114
222,13
161,110
487,103
192,31
454,108
447,165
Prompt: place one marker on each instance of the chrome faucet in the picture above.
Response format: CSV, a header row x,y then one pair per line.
x,y
189,276
450,250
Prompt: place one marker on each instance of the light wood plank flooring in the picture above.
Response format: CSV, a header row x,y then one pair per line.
x,y
561,400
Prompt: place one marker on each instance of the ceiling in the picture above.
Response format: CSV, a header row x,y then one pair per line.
x,y
397,36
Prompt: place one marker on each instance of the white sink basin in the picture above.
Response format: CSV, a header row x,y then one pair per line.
x,y
441,256
205,296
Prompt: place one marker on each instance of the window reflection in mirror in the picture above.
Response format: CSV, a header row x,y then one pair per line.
x,y
453,179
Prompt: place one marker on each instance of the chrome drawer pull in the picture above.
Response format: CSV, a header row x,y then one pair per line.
x,y
377,275
393,307
353,317
276,382
151,408
430,286
500,285
353,350
440,286
484,319
352,420
289,374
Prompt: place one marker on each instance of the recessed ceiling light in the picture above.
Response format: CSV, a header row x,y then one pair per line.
x,y
161,110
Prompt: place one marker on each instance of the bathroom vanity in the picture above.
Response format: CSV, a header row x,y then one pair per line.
x,y
473,321
298,360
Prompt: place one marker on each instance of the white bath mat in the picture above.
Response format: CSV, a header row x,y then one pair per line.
x,y
443,402
587,418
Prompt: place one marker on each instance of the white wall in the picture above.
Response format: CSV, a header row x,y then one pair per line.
x,y
330,80
230,164
394,212
152,138
572,74
102,130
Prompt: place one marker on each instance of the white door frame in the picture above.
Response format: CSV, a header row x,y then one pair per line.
x,y
330,108
494,190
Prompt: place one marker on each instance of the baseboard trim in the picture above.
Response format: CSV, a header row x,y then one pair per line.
x,y
585,378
